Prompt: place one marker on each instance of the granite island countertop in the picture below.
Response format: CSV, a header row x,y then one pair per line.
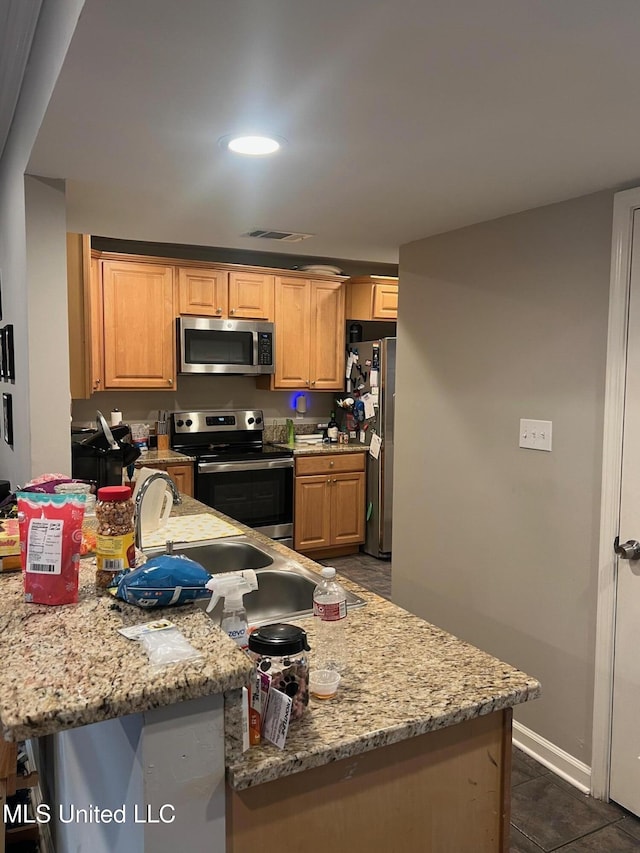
x,y
406,678
67,666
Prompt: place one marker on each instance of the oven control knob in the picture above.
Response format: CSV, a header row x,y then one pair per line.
x,y
249,420
258,420
180,423
189,422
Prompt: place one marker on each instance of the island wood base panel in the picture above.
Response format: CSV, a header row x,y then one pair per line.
x,y
443,792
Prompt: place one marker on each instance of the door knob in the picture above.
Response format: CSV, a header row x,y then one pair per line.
x,y
629,550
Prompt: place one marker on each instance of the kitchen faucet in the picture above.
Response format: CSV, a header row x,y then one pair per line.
x,y
157,475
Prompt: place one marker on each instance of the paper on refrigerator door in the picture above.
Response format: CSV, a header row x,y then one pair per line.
x,y
369,408
350,362
374,447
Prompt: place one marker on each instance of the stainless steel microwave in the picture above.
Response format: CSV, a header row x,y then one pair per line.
x,y
209,345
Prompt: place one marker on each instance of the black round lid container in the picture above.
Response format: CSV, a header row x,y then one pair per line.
x,y
278,640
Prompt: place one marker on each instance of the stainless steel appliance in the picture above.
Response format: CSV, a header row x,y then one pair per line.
x,y
235,472
380,354
210,345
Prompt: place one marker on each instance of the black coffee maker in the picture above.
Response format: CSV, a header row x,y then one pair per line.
x,y
101,455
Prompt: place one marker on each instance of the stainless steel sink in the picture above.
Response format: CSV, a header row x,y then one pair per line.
x,y
285,588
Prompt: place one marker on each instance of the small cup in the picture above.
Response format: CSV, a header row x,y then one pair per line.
x,y
323,683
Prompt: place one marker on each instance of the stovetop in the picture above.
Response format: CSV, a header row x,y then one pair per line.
x,y
215,435
232,453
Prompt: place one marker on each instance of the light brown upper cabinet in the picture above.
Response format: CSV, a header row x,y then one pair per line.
x,y
86,373
138,322
310,338
217,293
372,297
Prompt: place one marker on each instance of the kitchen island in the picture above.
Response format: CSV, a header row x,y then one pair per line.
x,y
417,740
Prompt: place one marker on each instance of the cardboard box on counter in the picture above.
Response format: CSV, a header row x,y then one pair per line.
x,y
9,545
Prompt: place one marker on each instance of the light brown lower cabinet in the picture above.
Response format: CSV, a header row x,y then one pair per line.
x,y
181,473
447,791
329,503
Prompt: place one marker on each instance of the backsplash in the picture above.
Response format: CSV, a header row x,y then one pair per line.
x,y
278,432
208,392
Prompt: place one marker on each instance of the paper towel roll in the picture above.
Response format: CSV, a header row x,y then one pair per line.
x,y
116,417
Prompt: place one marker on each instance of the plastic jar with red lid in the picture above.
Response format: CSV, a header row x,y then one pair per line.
x,y
115,549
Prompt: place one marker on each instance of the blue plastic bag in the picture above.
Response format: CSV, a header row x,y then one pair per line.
x,y
164,580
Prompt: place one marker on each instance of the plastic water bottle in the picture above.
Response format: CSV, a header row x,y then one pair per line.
x,y
330,621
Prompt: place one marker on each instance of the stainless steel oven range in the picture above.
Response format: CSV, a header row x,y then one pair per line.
x,y
235,472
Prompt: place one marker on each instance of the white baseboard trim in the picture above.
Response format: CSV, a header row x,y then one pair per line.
x,y
557,760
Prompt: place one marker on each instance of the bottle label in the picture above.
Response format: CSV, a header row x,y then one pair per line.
x,y
330,612
236,630
115,553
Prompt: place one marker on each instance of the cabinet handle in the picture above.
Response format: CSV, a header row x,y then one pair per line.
x,y
335,479
169,381
329,482
218,310
331,464
233,311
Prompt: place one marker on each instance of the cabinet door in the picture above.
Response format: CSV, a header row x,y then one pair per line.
x,y
182,476
203,292
385,302
347,509
327,340
139,332
292,319
84,301
96,327
251,295
312,514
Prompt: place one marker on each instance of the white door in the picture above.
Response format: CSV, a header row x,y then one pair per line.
x,y
625,742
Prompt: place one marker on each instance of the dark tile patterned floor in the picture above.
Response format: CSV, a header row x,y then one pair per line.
x,y
547,813
367,571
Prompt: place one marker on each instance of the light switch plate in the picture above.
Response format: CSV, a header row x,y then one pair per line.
x,y
535,435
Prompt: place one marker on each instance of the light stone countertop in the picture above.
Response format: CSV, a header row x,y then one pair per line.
x,y
67,666
406,678
303,449
167,457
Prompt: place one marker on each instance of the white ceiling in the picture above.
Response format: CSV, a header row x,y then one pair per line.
x,y
404,119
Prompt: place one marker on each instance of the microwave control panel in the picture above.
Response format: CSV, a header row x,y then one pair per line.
x,y
265,348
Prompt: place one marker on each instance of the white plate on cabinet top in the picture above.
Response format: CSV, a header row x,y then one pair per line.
x,y
320,269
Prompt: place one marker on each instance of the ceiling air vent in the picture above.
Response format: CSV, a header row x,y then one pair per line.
x,y
281,236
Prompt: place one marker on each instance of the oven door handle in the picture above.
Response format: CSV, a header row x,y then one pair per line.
x,y
223,467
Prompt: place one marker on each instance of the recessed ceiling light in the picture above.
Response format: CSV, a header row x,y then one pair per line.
x,y
253,146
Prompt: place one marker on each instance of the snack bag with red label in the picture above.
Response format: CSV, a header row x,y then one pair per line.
x,y
50,539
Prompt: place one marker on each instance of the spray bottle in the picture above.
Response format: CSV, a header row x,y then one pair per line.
x,y
232,586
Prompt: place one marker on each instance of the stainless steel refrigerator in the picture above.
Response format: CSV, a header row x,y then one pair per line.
x,y
380,354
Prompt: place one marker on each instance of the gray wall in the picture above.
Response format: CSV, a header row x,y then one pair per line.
x,y
53,32
501,321
49,394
